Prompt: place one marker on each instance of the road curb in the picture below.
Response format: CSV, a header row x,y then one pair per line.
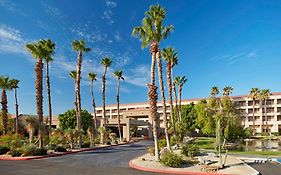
x,y
134,166
60,154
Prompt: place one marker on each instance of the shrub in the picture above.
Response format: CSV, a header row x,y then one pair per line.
x,y
171,159
60,149
4,150
190,150
113,137
174,140
97,140
12,141
29,150
41,151
16,152
162,143
85,145
151,150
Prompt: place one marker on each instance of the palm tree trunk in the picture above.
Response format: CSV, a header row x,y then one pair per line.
x,y
4,111
17,111
175,95
78,98
152,95
49,97
94,106
118,102
103,102
180,91
39,98
160,77
169,82
254,116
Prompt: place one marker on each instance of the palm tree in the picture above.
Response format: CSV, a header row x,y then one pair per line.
x,y
106,62
50,47
214,91
39,52
118,75
179,81
73,75
264,96
151,33
92,77
227,90
254,95
80,47
169,55
15,85
5,84
174,62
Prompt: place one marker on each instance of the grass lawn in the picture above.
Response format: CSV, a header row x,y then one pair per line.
x,y
205,142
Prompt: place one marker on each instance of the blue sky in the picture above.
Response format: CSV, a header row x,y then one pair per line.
x,y
220,43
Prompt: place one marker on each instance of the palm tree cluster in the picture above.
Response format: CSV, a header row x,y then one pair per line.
x,y
260,97
7,84
151,33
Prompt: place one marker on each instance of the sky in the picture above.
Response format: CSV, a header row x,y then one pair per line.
x,y
219,43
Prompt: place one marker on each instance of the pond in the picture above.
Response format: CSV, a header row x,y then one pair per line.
x,y
261,145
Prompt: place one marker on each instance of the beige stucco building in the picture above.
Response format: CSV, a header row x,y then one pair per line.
x,y
137,114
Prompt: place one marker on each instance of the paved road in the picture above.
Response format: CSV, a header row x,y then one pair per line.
x,y
267,168
109,161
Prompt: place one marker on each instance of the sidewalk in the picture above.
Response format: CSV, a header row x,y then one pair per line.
x,y
233,165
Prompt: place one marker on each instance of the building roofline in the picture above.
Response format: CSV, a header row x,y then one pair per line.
x,y
186,100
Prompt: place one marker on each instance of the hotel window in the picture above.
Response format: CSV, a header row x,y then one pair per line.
x,y
107,111
269,102
99,111
123,109
114,116
250,111
250,103
114,110
250,119
159,107
242,103
278,101
270,110
278,109
278,117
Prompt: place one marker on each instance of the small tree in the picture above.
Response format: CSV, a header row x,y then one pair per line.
x,y
90,132
69,119
31,126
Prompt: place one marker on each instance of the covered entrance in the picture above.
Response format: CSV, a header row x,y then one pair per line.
x,y
135,122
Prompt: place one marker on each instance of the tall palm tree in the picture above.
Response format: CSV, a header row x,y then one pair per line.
x,y
118,75
106,62
73,75
5,84
174,62
264,96
39,52
214,91
80,47
15,85
92,77
151,32
169,55
180,81
50,47
254,95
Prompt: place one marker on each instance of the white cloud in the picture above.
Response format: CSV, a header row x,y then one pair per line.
x,y
11,40
138,76
110,4
52,11
234,58
107,14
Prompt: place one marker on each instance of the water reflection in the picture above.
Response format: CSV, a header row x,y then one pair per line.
x,y
261,145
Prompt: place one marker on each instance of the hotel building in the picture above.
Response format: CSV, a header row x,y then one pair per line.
x,y
138,114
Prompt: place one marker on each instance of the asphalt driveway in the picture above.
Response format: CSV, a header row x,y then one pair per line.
x,y
108,161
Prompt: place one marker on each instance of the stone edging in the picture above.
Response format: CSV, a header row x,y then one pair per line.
x,y
60,154
134,166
